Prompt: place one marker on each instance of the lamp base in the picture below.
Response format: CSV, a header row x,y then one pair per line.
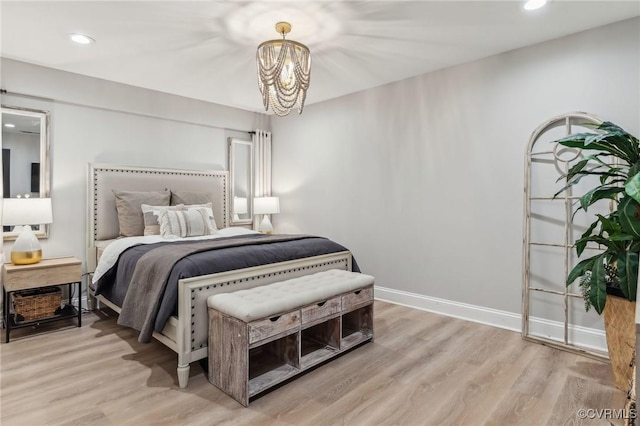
x,y
26,257
265,226
26,250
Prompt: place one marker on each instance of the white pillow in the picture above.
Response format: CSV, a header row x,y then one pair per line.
x,y
192,222
207,206
151,217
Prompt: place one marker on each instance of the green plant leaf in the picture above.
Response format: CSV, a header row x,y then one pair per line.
x,y
634,169
599,193
581,243
603,241
594,172
606,179
613,129
628,216
610,224
575,140
617,178
596,158
576,168
567,186
587,160
621,173
580,141
628,274
632,187
598,290
615,141
622,237
580,167
608,126
581,268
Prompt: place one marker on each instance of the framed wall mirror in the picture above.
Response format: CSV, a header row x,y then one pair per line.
x,y
241,181
25,159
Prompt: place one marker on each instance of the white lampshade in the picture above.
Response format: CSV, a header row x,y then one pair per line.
x,y
240,205
266,205
26,211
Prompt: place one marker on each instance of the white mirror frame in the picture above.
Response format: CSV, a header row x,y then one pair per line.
x,y
233,145
42,231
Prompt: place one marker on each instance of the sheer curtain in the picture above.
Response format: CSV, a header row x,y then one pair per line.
x,y
262,164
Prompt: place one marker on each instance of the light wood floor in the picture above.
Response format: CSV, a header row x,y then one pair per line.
x,y
422,369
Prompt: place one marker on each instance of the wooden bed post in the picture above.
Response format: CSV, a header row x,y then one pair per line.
x,y
183,374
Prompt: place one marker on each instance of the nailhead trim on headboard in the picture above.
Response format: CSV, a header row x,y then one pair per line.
x,y
222,175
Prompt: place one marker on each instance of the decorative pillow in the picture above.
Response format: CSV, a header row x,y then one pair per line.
x,y
190,198
192,222
151,214
209,208
128,204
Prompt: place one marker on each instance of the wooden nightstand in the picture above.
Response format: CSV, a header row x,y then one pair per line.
x,y
49,272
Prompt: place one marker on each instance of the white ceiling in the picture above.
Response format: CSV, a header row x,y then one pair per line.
x,y
206,49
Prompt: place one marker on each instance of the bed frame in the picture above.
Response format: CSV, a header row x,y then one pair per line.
x,y
186,333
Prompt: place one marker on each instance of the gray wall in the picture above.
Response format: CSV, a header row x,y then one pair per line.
x,y
423,178
94,120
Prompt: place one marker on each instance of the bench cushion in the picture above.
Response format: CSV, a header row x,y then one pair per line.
x,y
276,298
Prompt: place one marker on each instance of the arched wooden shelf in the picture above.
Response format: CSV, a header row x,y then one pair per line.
x,y
562,158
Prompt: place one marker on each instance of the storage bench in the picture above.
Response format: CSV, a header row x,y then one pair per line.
x,y
265,335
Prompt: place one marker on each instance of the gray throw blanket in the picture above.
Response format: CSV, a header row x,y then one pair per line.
x,y
149,279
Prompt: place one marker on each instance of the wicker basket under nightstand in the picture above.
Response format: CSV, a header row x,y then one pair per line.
x,y
21,284
36,304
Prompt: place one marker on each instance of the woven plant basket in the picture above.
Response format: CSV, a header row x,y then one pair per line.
x,y
620,327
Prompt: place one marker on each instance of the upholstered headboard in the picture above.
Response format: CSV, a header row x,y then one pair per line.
x,y
102,221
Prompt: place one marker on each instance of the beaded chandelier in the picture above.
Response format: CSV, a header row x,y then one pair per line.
x,y
284,70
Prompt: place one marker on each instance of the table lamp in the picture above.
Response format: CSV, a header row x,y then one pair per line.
x,y
266,206
22,213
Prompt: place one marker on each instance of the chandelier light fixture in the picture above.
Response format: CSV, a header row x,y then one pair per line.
x,y
284,70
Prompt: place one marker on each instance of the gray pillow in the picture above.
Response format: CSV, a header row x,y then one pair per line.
x,y
187,198
128,204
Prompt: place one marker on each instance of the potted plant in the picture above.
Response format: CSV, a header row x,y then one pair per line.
x,y
608,280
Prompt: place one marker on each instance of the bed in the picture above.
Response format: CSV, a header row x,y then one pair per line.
x,y
186,329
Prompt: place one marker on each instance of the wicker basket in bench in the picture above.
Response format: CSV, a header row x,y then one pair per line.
x,y
31,305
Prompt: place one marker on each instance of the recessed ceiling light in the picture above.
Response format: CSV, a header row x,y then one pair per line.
x,y
9,125
81,39
534,4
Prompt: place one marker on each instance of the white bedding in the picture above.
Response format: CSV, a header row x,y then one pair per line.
x,y
114,249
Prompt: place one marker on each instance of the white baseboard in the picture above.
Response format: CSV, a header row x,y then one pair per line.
x,y
587,338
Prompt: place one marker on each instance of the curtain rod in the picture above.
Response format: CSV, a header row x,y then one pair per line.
x,y
140,114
